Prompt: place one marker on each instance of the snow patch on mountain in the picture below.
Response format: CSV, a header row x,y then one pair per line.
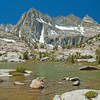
x,y
33,40
42,21
53,32
64,28
78,29
19,34
7,40
42,36
82,31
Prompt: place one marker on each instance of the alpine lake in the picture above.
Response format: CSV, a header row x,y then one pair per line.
x,y
54,72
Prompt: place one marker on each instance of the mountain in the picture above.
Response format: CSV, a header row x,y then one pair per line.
x,y
34,26
35,29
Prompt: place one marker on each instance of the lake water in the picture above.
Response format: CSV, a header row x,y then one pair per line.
x,y
54,72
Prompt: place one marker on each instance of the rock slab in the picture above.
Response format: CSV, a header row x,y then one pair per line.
x,y
76,95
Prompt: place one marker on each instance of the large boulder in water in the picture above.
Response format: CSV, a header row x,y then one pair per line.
x,y
76,83
74,79
89,68
37,83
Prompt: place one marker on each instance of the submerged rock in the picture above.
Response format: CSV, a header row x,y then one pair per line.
x,y
5,72
28,72
60,82
1,80
18,83
75,80
66,78
76,83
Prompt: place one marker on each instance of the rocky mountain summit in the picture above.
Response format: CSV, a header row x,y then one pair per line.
x,y
63,30
35,27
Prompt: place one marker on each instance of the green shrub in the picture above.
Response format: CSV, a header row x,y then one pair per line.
x,y
0,54
91,94
85,57
45,54
77,55
63,46
40,55
69,47
21,69
35,46
25,56
55,47
15,73
71,59
20,57
98,55
10,42
42,46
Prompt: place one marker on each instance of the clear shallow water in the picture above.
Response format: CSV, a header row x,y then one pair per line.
x,y
54,73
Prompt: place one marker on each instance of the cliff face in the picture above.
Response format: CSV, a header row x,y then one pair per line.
x,y
34,26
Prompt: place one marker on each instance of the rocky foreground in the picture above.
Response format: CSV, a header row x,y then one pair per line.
x,y
76,95
11,47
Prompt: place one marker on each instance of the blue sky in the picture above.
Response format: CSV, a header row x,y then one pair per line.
x,y
11,10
